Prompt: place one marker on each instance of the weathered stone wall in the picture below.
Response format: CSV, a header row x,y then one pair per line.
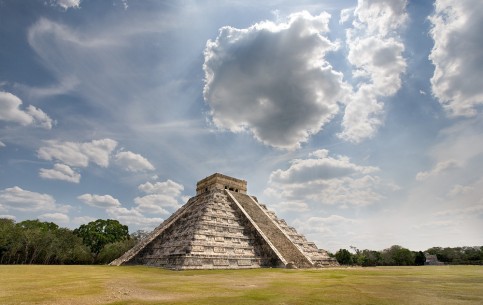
x,y
213,235
213,230
319,257
221,182
290,253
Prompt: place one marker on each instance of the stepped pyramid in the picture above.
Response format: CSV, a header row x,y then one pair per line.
x,y
224,228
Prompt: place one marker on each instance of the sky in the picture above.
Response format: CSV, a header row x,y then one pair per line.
x,y
358,122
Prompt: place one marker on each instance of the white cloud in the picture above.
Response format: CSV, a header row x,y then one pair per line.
x,y
82,220
322,167
452,190
55,217
459,189
151,204
436,224
16,198
78,154
99,201
457,55
273,80
133,162
60,172
10,112
8,217
469,211
439,168
2,144
133,217
326,180
154,204
98,151
322,225
294,206
162,196
375,51
66,4
168,187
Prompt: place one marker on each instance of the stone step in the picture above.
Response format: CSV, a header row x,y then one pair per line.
x,y
290,253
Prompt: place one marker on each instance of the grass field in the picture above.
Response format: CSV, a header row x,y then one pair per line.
x,y
142,285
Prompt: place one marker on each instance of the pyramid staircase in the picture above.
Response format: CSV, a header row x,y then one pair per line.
x,y
223,228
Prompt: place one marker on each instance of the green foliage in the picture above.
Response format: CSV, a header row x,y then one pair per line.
x,y
96,234
113,250
419,258
7,238
397,256
458,255
370,258
101,241
344,257
36,242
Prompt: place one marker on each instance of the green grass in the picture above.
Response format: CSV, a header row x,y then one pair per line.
x,y
144,285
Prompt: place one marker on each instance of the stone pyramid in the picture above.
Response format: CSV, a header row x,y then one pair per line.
x,y
224,228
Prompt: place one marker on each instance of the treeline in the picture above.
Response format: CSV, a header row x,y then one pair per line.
x,y
400,256
102,241
37,242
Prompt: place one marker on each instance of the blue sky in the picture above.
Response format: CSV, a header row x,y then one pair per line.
x,y
358,122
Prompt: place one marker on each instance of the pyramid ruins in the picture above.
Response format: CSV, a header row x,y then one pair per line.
x,y
224,228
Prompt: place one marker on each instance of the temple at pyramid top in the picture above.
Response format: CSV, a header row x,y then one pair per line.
x,y
223,227
221,182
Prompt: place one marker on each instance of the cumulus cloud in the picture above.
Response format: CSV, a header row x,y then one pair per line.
x,y
78,154
325,180
99,201
375,52
457,55
60,172
273,79
439,168
162,196
168,188
66,4
16,198
114,209
323,225
458,190
322,167
55,217
133,162
82,220
133,217
294,206
10,111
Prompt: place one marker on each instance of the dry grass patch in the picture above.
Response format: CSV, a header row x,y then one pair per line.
x,y
143,285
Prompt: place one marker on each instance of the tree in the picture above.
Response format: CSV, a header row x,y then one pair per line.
x,y
371,258
97,234
419,258
114,250
35,237
344,257
7,239
397,256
